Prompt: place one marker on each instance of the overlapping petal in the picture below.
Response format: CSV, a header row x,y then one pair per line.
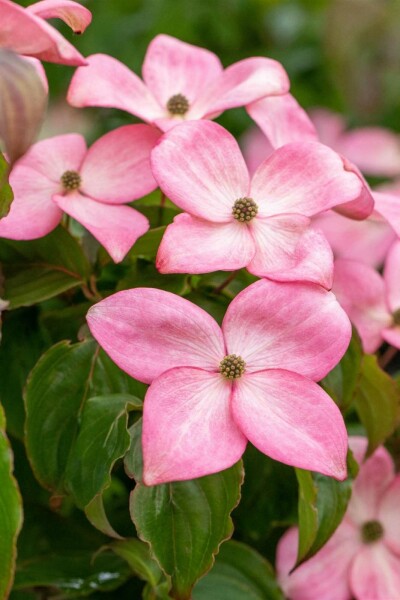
x,y
192,245
292,420
199,166
389,515
116,168
188,429
295,326
375,150
391,277
147,331
72,13
388,205
116,227
375,574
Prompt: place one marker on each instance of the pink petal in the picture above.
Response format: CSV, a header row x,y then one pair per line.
x,y
370,239
329,125
147,331
361,292
389,515
255,147
32,214
292,420
240,84
188,429
192,245
391,335
374,476
282,120
117,168
313,261
199,166
363,204
375,150
173,67
295,326
276,239
107,82
326,575
116,227
388,205
72,13
28,34
304,178
391,277
375,574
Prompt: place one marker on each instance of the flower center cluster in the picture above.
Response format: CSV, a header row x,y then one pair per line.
x,y
371,531
396,317
232,366
244,209
178,104
71,180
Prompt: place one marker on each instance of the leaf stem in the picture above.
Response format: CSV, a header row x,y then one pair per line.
x,y
387,357
226,282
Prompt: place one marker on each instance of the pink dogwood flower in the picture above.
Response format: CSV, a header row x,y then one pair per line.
x,y
60,174
231,222
362,558
181,82
25,30
213,388
371,301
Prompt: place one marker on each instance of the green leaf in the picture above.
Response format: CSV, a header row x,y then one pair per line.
x,y
40,269
376,401
341,382
144,274
185,522
102,439
147,245
322,504
10,513
138,557
77,574
239,573
6,193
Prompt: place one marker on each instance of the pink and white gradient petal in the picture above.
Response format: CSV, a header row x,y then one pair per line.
x,y
116,168
304,178
375,475
375,574
116,227
313,261
276,239
174,67
72,13
239,84
324,576
388,206
199,166
292,420
375,150
363,204
329,125
107,82
389,515
391,335
188,429
33,214
391,276
256,148
282,120
147,331
361,292
192,245
295,326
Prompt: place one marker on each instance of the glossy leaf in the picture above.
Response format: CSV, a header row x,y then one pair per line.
x,y
239,573
138,557
147,245
377,402
6,193
143,273
190,517
10,513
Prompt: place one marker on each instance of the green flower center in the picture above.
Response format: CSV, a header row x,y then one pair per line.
x,y
371,531
71,180
396,317
178,104
244,209
232,366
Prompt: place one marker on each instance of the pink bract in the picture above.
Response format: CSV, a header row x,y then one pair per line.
x,y
60,175
362,558
25,30
200,168
196,420
181,82
371,301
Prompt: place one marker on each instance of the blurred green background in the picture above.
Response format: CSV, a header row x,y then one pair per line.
x,y
341,54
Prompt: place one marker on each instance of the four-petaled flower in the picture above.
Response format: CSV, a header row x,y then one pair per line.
x,y
213,388
61,175
181,82
362,558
